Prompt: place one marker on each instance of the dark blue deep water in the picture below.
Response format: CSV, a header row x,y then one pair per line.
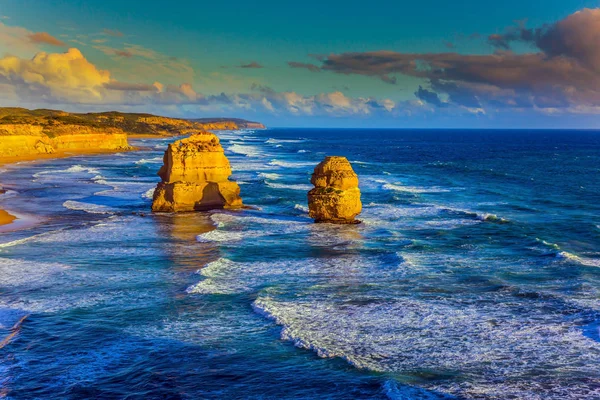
x,y
475,273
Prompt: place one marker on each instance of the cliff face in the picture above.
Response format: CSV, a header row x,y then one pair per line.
x,y
30,132
241,123
17,140
219,126
195,177
336,197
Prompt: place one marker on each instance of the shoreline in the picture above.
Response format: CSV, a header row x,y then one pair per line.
x,y
13,221
6,160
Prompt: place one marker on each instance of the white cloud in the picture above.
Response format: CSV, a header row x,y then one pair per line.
x,y
64,76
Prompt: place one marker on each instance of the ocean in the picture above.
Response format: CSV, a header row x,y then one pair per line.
x,y
475,273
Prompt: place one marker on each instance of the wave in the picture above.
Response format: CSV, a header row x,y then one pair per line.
x,y
248,151
227,276
27,239
232,228
561,254
585,261
298,186
409,336
492,218
300,207
87,207
277,141
481,216
303,151
438,216
291,164
269,175
251,138
225,219
220,269
414,189
155,160
73,169
16,272
149,194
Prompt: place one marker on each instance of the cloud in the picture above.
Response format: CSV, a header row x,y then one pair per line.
x,y
186,90
499,41
123,53
16,39
576,36
253,64
308,66
45,38
429,97
67,76
138,62
563,73
136,87
389,79
114,33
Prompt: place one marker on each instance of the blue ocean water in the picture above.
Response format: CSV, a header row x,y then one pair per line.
x,y
475,273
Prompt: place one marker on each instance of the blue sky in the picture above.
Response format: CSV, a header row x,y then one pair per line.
x,y
316,63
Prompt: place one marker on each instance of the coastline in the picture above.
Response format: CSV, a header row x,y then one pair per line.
x,y
5,160
12,221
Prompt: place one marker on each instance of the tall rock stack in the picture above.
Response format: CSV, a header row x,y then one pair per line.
x,y
335,197
195,177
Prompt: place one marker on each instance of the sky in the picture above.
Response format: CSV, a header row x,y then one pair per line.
x,y
403,64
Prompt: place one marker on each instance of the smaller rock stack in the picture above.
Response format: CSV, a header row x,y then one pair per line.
x,y
336,197
195,177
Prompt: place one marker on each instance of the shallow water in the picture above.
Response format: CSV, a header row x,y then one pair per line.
x,y
475,273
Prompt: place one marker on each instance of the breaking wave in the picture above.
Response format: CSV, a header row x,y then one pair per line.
x,y
87,207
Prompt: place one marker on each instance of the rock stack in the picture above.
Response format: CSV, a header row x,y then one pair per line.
x,y
195,177
335,197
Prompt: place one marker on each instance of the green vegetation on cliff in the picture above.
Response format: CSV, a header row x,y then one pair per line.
x,y
54,122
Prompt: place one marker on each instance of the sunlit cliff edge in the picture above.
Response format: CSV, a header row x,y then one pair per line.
x,y
27,133
241,123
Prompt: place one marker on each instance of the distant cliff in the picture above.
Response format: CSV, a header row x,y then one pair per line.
x,y
29,132
241,123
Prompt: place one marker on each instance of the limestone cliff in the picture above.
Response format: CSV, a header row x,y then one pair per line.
x,y
20,140
335,197
195,177
241,123
26,133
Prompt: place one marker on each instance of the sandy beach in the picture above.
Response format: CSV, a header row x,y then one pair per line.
x,y
6,218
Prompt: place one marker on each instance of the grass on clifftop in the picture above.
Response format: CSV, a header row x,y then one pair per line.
x,y
130,123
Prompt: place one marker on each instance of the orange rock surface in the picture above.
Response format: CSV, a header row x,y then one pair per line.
x,y
195,177
336,197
